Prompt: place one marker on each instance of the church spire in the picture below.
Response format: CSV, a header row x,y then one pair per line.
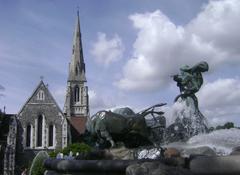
x,y
77,65
76,102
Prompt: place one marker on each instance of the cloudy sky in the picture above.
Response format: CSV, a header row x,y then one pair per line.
x,y
131,48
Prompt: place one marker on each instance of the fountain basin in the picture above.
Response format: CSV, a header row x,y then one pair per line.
x,y
207,165
89,167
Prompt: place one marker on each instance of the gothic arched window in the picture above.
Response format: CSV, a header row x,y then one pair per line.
x,y
39,130
82,90
28,136
50,135
76,94
76,70
40,95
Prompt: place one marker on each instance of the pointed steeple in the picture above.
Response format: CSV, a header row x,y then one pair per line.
x,y
77,65
76,102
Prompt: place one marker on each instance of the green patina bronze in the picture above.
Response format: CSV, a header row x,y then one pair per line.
x,y
122,125
190,121
190,78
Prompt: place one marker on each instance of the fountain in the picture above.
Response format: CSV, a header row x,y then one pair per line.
x,y
184,147
189,120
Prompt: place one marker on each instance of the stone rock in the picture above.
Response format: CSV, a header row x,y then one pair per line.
x,y
155,168
171,152
137,169
215,164
235,151
122,153
203,150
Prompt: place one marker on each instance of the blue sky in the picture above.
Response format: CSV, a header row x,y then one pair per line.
x,y
130,48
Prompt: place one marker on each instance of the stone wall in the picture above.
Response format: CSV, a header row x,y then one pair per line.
x,y
10,150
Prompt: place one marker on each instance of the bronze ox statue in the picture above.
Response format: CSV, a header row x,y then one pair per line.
x,y
124,125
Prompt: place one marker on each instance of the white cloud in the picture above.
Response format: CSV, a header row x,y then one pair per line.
x,y
98,102
218,24
161,47
220,93
220,100
107,50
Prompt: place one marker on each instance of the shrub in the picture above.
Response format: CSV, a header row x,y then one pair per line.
x,y
37,164
75,147
53,154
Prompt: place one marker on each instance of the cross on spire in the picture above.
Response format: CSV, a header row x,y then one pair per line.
x,y
41,78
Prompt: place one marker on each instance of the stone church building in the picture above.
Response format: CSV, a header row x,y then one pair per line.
x,y
41,124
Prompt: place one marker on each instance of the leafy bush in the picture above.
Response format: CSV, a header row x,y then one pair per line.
x,y
53,154
75,147
37,164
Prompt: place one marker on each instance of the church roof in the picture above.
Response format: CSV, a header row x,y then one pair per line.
x,y
77,65
78,123
48,97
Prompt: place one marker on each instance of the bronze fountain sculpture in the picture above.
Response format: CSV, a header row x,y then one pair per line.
x,y
108,127
190,121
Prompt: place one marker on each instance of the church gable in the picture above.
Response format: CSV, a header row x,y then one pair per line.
x,y
41,95
41,121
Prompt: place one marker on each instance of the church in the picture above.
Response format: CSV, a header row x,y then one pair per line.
x,y
41,124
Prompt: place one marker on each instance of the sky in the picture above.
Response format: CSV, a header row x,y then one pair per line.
x,y
131,48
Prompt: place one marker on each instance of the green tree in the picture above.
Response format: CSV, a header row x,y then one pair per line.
x,y
228,125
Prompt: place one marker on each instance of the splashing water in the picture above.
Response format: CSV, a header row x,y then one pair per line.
x,y
170,112
185,114
222,141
